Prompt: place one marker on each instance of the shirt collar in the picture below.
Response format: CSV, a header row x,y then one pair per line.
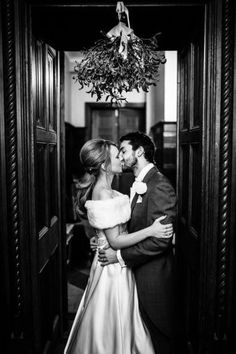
x,y
144,171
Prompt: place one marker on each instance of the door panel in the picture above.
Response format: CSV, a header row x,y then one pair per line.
x,y
104,124
111,123
190,187
131,120
108,122
45,89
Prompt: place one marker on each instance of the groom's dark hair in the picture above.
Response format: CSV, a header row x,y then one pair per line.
x,y
137,139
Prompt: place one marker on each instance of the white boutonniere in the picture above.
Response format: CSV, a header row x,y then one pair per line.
x,y
139,200
139,187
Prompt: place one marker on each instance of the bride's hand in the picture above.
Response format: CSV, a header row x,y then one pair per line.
x,y
160,230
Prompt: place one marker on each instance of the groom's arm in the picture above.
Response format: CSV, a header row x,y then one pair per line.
x,y
161,201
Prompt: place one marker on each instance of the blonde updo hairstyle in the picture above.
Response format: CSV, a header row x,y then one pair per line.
x,y
93,154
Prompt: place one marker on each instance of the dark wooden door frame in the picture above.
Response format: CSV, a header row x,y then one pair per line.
x,y
217,248
4,269
14,166
217,134
219,126
17,139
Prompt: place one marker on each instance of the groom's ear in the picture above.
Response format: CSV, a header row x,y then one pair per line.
x,y
140,151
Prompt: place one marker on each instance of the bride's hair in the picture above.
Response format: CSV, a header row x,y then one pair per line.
x,y
93,154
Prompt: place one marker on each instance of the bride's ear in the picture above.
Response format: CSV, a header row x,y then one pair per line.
x,y
103,167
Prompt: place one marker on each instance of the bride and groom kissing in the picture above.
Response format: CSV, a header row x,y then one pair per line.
x,y
127,306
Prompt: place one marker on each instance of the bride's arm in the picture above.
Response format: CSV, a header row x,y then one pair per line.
x,y
118,241
157,229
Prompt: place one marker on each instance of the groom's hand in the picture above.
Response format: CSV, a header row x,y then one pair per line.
x,y
107,256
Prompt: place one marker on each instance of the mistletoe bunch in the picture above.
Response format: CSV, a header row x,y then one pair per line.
x,y
106,72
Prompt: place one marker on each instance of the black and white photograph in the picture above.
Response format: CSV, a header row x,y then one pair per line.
x,y
118,177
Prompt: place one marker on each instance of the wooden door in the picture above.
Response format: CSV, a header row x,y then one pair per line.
x,y
190,196
107,122
46,250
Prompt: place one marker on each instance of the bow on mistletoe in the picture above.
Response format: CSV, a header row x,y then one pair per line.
x,y
120,62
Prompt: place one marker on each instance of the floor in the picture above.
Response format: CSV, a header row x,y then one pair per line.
x,y
77,280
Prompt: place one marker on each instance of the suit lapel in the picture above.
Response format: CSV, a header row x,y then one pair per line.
x,y
134,200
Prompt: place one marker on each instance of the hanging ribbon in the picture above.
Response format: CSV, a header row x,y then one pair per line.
x,y
120,7
121,30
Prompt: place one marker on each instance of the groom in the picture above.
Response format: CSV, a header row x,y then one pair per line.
x,y
152,259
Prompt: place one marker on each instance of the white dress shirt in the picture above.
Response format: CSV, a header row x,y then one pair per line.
x,y
139,178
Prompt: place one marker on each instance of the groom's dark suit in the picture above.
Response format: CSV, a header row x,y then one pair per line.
x,y
152,259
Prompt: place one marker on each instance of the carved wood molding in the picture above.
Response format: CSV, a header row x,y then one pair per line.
x,y
225,168
9,57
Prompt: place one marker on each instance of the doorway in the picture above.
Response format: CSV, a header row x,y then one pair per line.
x,y
207,326
109,122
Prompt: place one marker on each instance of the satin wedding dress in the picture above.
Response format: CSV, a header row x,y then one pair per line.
x,y
108,320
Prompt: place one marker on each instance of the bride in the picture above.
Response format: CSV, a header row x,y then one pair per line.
x,y
108,320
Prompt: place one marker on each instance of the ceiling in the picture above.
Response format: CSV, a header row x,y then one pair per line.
x,y
73,28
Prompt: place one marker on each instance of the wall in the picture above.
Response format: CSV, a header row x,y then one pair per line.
x,y
68,86
155,101
170,83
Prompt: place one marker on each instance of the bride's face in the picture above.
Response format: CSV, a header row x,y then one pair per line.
x,y
115,166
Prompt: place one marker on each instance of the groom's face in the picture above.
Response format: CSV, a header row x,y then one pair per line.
x,y
127,155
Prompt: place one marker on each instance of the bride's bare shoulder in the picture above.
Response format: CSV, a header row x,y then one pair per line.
x,y
102,194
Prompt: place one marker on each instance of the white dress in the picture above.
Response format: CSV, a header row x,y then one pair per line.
x,y
108,320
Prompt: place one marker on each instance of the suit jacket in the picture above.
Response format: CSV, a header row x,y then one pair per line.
x,y
152,259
